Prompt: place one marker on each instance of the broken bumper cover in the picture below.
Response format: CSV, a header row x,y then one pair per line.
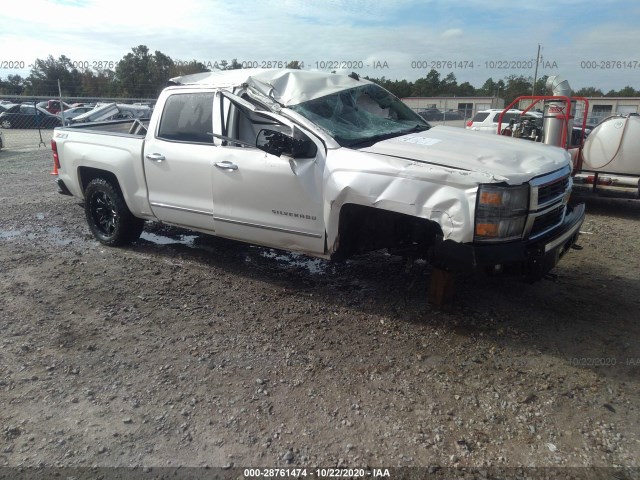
x,y
532,258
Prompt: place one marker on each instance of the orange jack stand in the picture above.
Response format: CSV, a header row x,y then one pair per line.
x,y
441,287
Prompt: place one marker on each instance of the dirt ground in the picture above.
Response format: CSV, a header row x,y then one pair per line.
x,y
187,350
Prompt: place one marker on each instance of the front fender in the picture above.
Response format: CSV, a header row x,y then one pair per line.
x,y
444,195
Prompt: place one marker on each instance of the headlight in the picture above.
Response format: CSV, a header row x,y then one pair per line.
x,y
501,212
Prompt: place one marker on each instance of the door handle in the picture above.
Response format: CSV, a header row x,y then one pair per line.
x,y
226,165
156,157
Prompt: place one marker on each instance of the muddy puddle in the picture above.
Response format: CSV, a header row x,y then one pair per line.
x,y
252,254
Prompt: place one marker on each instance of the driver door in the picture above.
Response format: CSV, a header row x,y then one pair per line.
x,y
259,197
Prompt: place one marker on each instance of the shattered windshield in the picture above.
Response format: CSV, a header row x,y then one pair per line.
x,y
361,115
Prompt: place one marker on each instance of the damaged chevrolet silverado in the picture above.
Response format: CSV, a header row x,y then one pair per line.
x,y
325,164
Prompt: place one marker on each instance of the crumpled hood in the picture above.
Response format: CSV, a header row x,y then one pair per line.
x,y
513,161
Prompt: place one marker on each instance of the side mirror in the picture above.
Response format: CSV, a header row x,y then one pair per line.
x,y
272,142
277,143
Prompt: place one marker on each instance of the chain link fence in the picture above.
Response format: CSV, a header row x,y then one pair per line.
x,y
462,117
451,111
28,122
452,118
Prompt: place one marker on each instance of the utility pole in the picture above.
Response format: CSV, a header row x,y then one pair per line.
x,y
61,107
535,75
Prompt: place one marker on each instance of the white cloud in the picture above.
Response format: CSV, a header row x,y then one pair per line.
x,y
315,31
452,33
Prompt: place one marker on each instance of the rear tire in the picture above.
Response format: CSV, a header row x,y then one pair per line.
x,y
108,216
6,124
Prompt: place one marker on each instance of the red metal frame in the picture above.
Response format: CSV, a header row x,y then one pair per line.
x,y
566,117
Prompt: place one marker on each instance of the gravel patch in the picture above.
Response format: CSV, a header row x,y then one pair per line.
x,y
187,350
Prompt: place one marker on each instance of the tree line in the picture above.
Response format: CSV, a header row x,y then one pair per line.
x,y
143,74
508,88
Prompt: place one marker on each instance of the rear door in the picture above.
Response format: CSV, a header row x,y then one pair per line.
x,y
178,161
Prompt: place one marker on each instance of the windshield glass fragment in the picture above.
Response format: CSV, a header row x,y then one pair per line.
x,y
361,115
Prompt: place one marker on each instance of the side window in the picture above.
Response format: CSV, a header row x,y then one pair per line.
x,y
507,117
188,117
244,126
480,116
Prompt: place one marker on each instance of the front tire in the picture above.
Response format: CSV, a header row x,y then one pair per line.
x,y
6,124
108,216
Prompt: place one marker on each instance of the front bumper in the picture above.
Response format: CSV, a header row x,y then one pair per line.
x,y
532,258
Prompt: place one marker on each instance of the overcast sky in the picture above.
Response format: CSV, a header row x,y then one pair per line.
x,y
592,43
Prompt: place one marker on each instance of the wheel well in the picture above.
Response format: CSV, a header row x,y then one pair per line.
x,y
86,174
364,229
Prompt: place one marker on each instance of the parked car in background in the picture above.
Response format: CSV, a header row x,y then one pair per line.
x,y
73,112
487,120
53,106
6,106
452,115
28,116
431,114
113,111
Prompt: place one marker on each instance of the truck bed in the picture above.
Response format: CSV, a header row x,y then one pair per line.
x,y
114,147
134,127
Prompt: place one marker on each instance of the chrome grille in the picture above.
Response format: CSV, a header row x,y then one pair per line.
x,y
547,220
548,202
550,192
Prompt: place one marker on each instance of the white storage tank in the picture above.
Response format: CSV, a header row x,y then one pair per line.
x,y
614,146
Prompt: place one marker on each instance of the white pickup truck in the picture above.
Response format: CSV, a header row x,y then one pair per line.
x,y
325,164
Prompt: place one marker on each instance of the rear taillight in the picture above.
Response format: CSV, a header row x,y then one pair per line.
x,y
56,159
470,123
